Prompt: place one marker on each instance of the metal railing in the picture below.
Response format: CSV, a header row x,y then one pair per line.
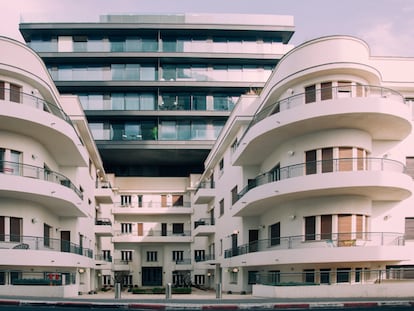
x,y
42,244
103,258
333,276
184,261
103,222
33,101
204,222
153,204
36,278
327,240
320,95
30,171
205,257
205,185
322,167
154,233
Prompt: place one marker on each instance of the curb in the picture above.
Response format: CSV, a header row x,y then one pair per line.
x,y
207,307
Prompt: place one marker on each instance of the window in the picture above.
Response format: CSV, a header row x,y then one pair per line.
x,y
274,277
325,276
126,256
106,280
252,277
234,195
46,235
409,228
409,164
178,228
233,276
15,229
221,207
275,234
126,227
15,157
310,94
2,228
106,255
1,90
152,256
199,255
221,164
343,275
15,93
310,158
139,200
177,255
310,229
326,227
326,90
344,89
358,274
199,279
327,160
125,200
309,276
344,229
345,158
127,280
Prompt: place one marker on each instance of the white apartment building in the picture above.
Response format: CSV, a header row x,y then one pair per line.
x,y
51,179
309,182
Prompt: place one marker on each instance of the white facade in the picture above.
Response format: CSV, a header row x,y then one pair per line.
x,y
310,177
48,183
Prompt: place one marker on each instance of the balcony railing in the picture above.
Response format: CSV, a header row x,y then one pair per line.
x,y
205,185
205,258
38,278
30,171
184,261
204,222
102,257
154,204
320,95
33,101
42,244
103,222
330,240
334,276
322,167
154,233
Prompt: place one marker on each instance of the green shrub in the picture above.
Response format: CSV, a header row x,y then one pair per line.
x,y
136,290
158,290
181,290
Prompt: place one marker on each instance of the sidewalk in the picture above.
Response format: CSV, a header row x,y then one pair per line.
x,y
199,300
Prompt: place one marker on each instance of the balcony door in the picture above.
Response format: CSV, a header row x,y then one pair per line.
x,y
65,241
15,229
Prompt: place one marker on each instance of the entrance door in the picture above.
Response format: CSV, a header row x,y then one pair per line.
x,y
65,241
151,276
253,240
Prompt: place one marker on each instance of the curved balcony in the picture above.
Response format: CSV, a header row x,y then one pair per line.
x,y
32,250
30,115
379,111
205,192
333,247
36,184
377,178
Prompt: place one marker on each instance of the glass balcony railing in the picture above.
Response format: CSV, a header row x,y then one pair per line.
x,y
204,222
321,167
42,244
34,102
331,240
30,171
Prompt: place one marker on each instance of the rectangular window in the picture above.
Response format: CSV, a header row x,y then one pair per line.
x,y
221,207
359,227
106,280
15,93
358,274
199,279
234,195
252,277
177,255
326,227
15,229
126,256
344,229
344,89
309,276
343,275
178,228
327,160
326,90
125,200
310,228
345,158
275,234
46,235
126,227
127,280
325,276
199,255
2,90
15,159
310,94
2,229
106,255
310,158
274,277
233,276
360,159
140,229
152,256
409,228
221,164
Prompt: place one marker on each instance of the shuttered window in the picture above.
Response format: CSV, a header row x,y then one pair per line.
x,y
409,228
326,227
360,160
409,164
15,92
345,156
327,162
140,229
344,227
359,227
326,90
